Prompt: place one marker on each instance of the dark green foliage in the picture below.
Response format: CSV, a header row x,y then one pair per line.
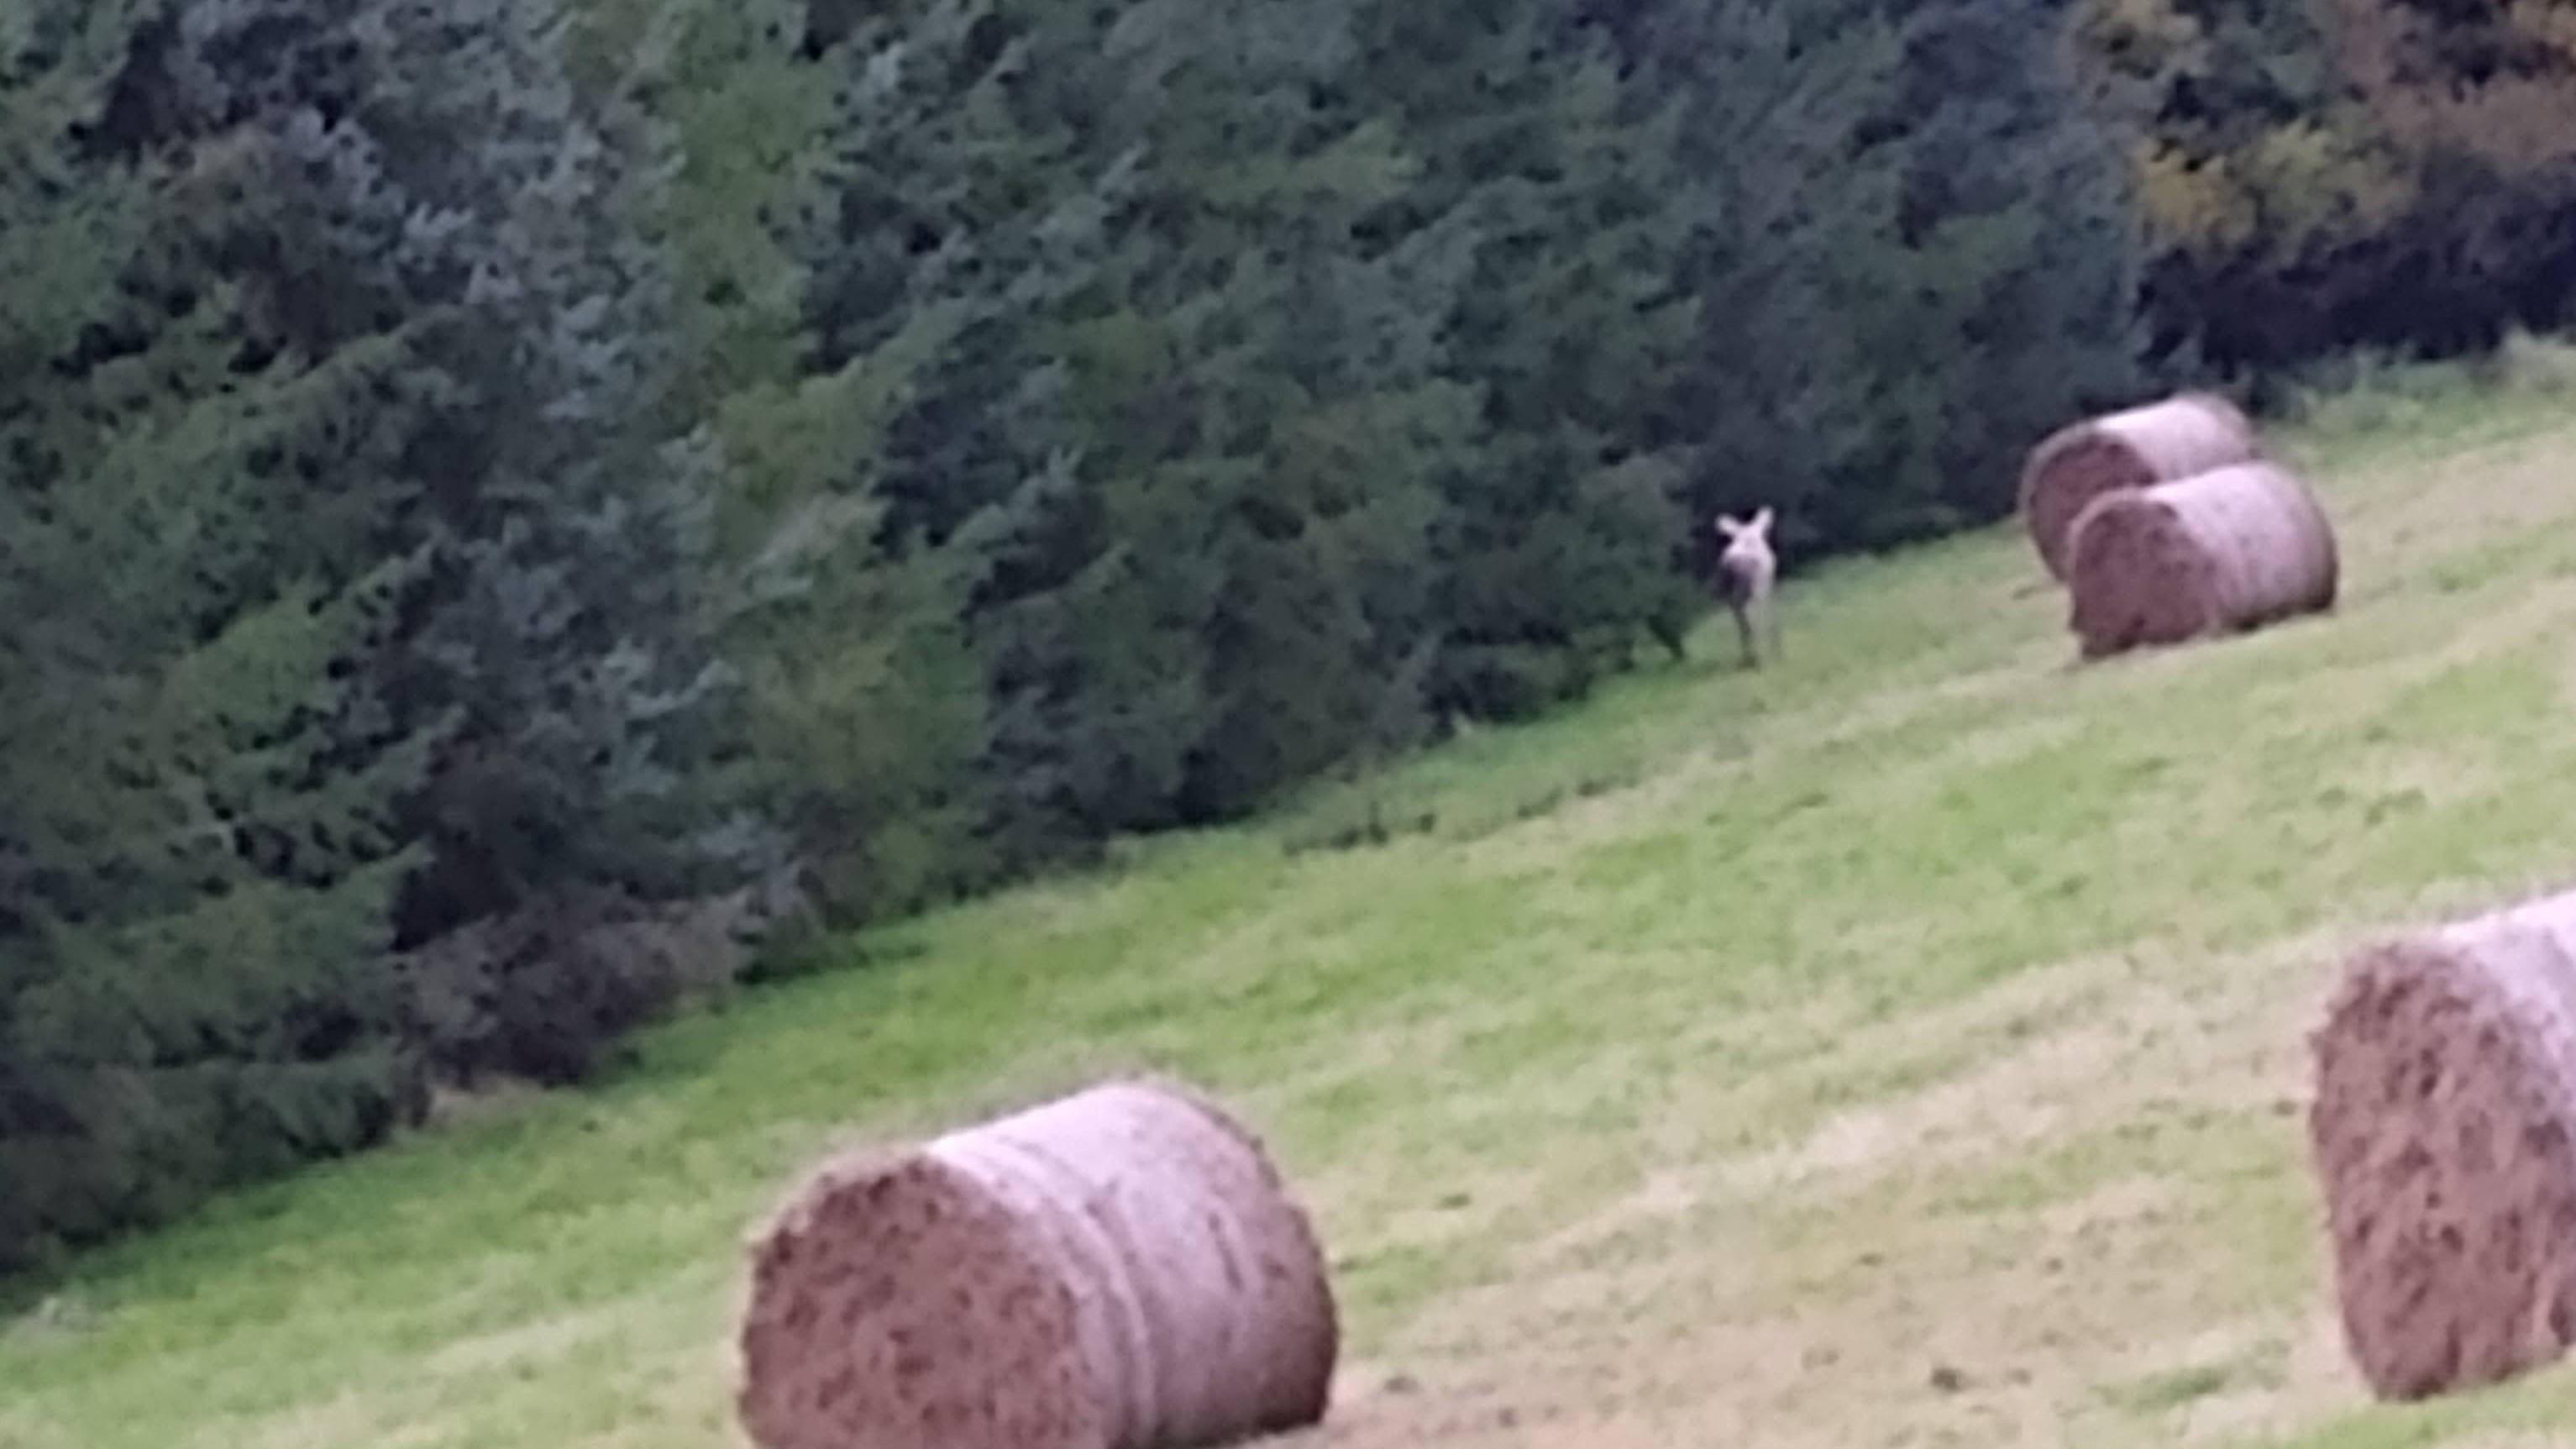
x,y
1251,464
351,591
437,175
1565,200
1921,255
199,844
2019,261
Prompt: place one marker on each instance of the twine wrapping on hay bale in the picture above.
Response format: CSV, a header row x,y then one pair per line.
x,y
2444,1135
2231,549
2187,434
1117,1269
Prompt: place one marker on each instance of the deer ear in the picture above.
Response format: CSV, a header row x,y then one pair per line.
x,y
1762,519
1728,527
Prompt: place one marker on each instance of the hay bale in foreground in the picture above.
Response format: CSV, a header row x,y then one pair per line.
x,y
1117,1269
2231,549
2139,448
2444,1135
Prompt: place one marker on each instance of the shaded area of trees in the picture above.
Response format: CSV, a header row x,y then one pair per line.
x,y
2325,174
503,504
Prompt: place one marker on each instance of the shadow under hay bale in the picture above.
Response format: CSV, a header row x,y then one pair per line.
x,y
2444,1137
1118,1269
2176,438
2228,550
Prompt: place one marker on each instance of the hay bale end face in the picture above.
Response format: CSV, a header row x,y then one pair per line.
x,y
2139,448
2444,1136
2227,550
1118,1269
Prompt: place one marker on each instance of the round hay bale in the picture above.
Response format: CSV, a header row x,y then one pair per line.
x,y
2444,1135
2182,435
2231,549
1117,1269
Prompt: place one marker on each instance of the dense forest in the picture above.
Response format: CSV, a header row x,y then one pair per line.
x,y
505,505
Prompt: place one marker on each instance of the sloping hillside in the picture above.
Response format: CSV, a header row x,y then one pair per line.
x,y
1904,1046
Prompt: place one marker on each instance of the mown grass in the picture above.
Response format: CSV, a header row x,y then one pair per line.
x,y
1902,1046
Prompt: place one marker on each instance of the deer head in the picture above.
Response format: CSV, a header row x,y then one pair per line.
x,y
1748,537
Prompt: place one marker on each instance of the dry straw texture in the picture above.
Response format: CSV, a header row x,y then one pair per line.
x,y
2444,1134
1118,1269
2231,549
2144,446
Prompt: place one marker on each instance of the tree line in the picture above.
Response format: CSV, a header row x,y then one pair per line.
x,y
505,505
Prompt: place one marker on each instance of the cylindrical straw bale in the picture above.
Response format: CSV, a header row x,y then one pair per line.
x,y
2231,549
2444,1136
1118,1269
2143,446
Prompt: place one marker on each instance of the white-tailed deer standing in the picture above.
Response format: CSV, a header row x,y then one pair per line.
x,y
1745,572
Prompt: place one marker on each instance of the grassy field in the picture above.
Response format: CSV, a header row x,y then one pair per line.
x,y
1901,1047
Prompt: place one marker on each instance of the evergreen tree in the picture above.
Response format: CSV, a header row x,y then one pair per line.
x,y
352,585
1561,531
867,703
1100,441
1281,423
439,175
2015,264
1919,255
747,113
198,848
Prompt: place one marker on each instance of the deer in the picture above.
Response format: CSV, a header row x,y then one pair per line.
x,y
1745,572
